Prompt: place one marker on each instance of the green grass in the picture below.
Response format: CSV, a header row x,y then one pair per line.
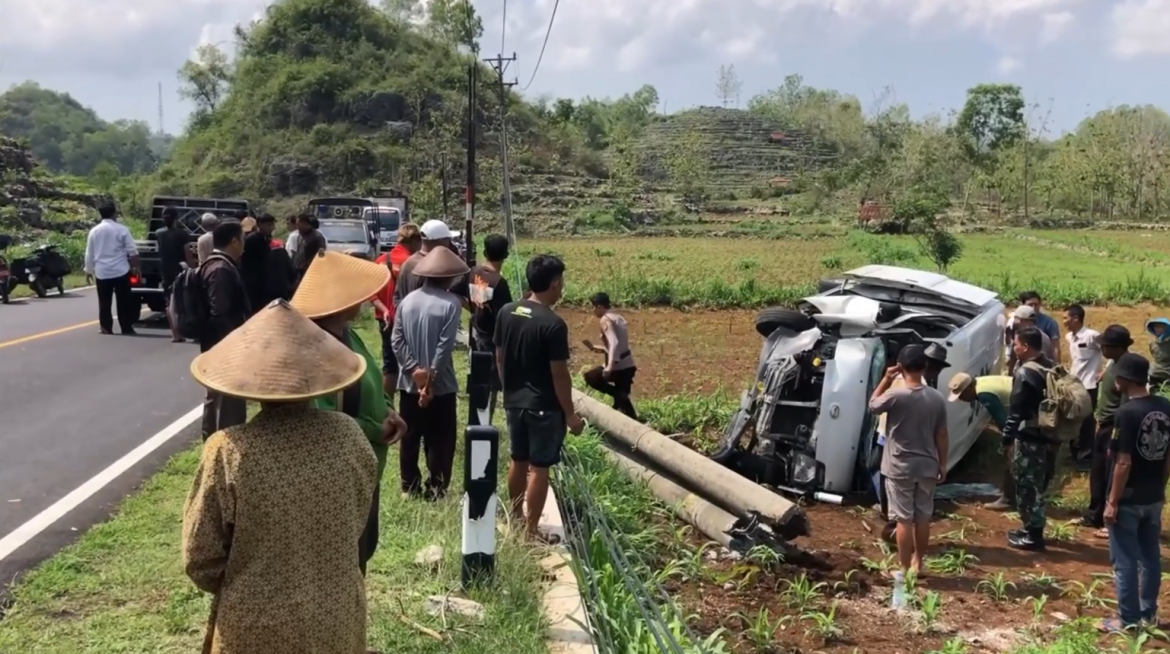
x,y
121,587
71,281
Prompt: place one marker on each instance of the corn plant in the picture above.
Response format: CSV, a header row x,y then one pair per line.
x,y
929,610
1062,532
955,645
802,593
1087,596
997,587
1041,580
824,624
760,629
952,562
1037,605
764,556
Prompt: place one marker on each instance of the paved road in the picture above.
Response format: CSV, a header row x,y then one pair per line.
x,y
74,402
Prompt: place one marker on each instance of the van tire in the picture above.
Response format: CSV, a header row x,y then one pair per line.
x,y
769,320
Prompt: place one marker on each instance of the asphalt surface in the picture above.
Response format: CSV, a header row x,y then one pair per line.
x,y
73,402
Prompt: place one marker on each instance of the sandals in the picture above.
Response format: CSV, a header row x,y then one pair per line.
x,y
1101,533
1113,626
545,538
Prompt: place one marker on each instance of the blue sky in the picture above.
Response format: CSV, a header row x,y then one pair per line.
x,y
1071,56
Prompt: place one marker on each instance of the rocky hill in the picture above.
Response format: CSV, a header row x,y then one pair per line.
x,y
32,201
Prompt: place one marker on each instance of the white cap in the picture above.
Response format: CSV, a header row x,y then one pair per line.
x,y
1024,312
435,230
209,219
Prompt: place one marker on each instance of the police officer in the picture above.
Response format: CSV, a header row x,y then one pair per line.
x,y
1029,448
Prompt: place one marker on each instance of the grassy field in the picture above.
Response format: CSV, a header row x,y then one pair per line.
x,y
719,272
121,587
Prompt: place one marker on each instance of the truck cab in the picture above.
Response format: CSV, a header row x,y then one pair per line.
x,y
345,208
389,219
147,287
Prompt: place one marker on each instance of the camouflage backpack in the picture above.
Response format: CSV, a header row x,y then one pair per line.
x,y
1066,403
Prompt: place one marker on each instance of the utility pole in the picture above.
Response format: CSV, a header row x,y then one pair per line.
x,y
469,190
500,64
443,183
161,127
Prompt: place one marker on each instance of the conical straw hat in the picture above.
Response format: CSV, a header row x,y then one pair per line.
x,y
441,262
335,282
278,356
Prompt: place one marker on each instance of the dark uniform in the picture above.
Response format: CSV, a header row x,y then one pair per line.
x,y
1031,453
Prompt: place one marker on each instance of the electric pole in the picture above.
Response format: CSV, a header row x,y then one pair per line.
x,y
500,65
469,190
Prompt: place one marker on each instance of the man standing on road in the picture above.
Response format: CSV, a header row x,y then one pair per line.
x,y
914,460
206,243
110,257
1141,469
1087,363
993,392
172,252
426,325
309,243
227,308
532,356
1115,342
1030,449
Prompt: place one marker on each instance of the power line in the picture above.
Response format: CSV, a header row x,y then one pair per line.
x,y
540,58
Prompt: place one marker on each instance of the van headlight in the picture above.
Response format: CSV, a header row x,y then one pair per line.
x,y
804,469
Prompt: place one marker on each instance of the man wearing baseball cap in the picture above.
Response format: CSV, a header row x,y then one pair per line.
x,y
435,234
1023,317
1137,492
993,392
914,459
1115,342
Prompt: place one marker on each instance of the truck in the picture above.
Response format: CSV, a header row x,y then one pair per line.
x,y
345,208
147,286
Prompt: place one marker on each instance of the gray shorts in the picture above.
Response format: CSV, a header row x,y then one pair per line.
x,y
536,437
911,500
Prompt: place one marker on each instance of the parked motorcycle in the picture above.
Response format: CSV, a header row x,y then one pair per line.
x,y
45,268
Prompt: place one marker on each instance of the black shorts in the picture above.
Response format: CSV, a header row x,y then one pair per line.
x,y
389,361
536,437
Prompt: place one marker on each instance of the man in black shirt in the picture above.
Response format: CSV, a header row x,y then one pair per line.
x,y
1029,448
1133,512
532,355
172,242
227,306
489,292
1115,342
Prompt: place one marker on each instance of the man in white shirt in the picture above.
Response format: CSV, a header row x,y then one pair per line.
x,y
1087,364
204,245
110,257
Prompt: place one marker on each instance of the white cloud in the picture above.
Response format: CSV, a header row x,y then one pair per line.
x,y
1141,27
1054,25
1007,65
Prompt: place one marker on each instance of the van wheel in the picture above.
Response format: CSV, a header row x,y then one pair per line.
x,y
769,320
38,287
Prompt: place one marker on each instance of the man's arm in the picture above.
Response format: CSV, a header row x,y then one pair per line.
x,y
406,359
558,354
221,289
447,337
611,344
881,401
942,439
208,518
1126,434
89,254
130,248
1021,407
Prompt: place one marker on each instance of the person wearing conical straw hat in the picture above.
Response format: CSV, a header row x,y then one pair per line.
x,y
277,504
426,325
331,294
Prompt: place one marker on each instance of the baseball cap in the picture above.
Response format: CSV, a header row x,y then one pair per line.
x,y
912,357
435,230
1024,312
1134,367
959,383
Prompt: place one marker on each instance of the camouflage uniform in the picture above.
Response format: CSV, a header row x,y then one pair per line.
x,y
1030,468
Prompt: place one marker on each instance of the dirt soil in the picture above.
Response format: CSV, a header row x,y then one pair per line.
x,y
702,352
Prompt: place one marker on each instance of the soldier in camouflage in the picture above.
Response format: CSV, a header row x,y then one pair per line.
x,y
1030,449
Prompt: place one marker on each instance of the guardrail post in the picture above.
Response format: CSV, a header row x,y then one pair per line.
x,y
481,449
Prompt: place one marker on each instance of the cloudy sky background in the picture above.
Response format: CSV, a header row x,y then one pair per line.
x,y
1072,57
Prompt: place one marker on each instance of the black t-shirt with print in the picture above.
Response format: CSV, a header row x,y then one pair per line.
x,y
489,292
531,336
1142,430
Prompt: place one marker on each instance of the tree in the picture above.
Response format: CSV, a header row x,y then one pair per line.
x,y
206,78
455,22
687,166
728,85
992,118
403,11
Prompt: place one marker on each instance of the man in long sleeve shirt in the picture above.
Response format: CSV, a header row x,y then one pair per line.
x,y
227,306
110,256
1029,447
1115,341
426,324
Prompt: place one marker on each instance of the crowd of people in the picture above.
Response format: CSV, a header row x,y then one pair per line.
x,y
281,523
1123,445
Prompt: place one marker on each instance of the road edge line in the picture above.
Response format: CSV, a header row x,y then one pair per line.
x,y
59,509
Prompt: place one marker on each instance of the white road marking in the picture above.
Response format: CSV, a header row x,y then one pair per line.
x,y
63,506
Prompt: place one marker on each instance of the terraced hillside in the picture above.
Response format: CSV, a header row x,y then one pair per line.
x,y
34,202
741,151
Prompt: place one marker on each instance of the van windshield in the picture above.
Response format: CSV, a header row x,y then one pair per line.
x,y
388,220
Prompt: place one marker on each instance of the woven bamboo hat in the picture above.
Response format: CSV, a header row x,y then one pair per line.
x,y
441,263
335,282
278,356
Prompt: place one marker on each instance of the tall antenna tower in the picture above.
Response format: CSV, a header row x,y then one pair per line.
x,y
161,129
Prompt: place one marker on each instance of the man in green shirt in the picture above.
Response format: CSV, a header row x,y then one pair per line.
x,y
994,393
1115,341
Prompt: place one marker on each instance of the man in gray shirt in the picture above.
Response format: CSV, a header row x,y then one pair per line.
x,y
423,338
915,455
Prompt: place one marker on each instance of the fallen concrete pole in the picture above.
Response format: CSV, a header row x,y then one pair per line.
x,y
712,521
734,493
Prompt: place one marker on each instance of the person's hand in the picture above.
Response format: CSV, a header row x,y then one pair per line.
x,y
893,371
393,428
385,323
942,473
1110,513
606,374
588,344
88,279
575,423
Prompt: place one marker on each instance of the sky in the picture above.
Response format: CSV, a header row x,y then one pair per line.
x,y
1072,57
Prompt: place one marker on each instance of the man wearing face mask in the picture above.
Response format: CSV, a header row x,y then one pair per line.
x,y
435,234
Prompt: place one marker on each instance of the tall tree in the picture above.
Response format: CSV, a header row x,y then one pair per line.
x,y
992,119
403,11
456,22
728,85
206,78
